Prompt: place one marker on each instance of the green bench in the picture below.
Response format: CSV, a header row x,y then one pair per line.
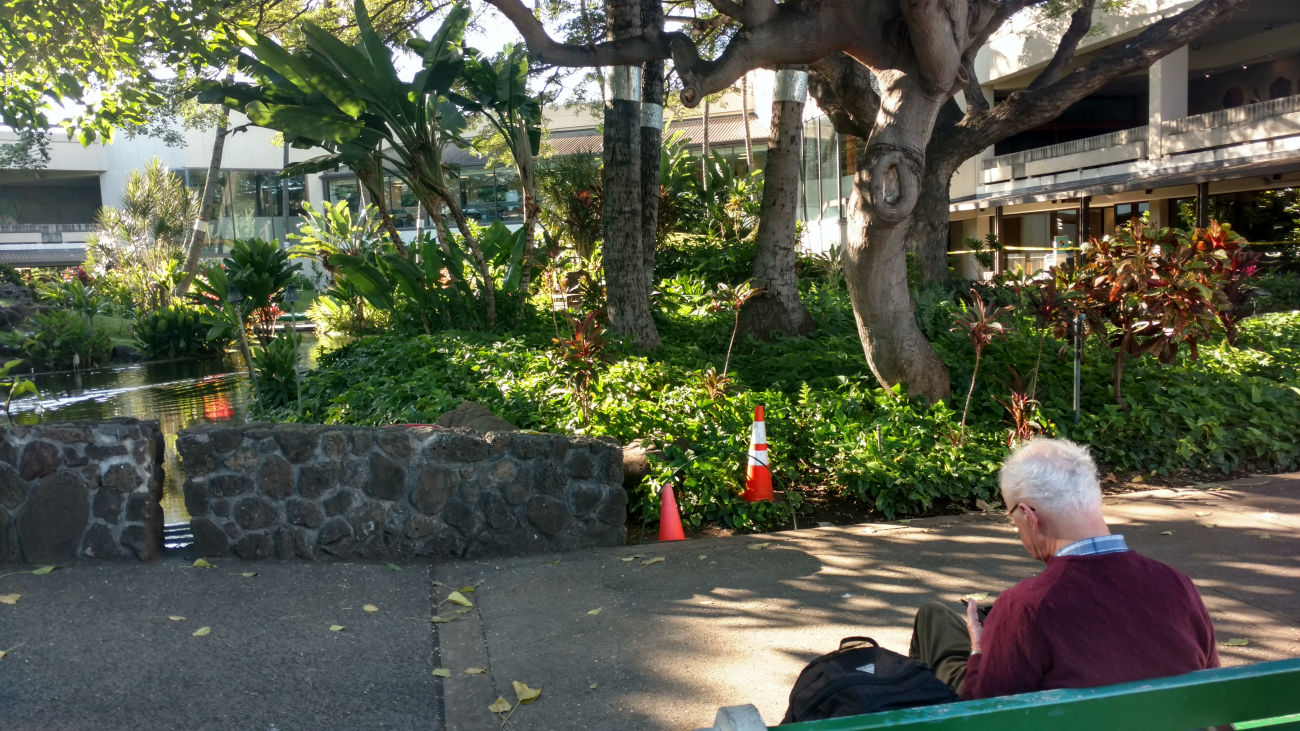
x,y
1249,696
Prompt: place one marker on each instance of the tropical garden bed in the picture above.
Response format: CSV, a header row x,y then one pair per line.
x,y
844,449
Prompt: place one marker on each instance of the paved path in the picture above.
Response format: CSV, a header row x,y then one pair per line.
x,y
715,622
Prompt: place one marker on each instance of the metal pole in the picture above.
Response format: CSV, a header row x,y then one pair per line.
x,y
1078,359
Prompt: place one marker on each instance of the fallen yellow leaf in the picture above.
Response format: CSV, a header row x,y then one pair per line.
x,y
470,589
556,562
370,608
1264,536
593,685
202,631
652,561
500,705
248,574
1166,533
393,567
438,619
337,628
759,546
458,598
176,618
1211,525
442,672
43,570
1237,642
9,598
462,610
475,671
627,559
1203,514
524,693
200,563
595,611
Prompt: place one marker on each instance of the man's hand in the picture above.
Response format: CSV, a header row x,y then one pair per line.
x,y
973,626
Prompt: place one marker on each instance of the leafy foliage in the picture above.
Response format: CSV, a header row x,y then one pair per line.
x,y
62,340
14,387
140,245
177,331
276,367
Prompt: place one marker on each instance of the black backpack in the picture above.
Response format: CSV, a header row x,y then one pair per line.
x,y
862,677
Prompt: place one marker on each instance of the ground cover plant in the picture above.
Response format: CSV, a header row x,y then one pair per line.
x,y
834,434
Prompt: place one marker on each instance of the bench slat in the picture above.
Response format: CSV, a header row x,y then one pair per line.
x,y
1204,698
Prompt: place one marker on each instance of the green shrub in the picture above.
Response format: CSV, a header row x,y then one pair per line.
x,y
59,335
177,331
10,275
830,427
1279,291
712,259
276,367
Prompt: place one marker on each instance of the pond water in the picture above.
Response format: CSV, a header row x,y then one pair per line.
x,y
178,394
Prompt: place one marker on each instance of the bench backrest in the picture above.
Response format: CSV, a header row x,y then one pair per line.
x,y
1267,690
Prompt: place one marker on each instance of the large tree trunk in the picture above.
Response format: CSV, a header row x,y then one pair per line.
x,y
778,307
524,165
627,288
744,118
197,237
885,190
652,133
927,237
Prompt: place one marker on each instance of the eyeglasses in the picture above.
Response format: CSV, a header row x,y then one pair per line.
x,y
1011,514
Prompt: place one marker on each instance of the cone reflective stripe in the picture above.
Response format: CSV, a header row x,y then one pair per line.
x,y
758,476
670,521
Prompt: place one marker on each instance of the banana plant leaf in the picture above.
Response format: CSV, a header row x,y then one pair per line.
x,y
366,277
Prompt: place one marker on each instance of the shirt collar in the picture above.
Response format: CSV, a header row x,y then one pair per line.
x,y
1095,546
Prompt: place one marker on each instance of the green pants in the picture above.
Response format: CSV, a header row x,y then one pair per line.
x,y
941,641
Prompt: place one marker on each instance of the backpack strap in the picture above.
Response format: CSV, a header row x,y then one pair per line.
x,y
856,641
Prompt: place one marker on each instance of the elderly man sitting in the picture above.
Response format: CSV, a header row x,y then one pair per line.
x,y
1099,613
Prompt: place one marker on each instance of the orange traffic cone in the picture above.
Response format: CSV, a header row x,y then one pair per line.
x,y
758,477
670,521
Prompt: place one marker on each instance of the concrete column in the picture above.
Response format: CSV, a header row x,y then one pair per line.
x,y
987,152
1167,80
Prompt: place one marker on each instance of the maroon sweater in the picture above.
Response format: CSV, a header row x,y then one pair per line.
x,y
1087,621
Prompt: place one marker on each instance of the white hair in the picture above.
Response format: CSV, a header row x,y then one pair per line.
x,y
1056,475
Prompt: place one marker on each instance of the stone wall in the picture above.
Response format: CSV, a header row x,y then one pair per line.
x,y
81,489
391,493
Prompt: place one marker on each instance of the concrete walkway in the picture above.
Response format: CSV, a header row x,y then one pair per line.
x,y
638,637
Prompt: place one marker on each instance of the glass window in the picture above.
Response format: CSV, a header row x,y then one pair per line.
x,y
1128,212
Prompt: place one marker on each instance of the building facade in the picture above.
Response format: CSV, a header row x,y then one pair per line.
x,y
1211,130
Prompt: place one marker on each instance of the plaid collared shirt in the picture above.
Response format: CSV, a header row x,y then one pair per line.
x,y
1095,546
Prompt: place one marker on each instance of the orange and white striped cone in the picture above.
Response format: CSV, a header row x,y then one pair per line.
x,y
670,520
758,476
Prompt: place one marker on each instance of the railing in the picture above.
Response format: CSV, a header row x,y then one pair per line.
x,y
1074,147
45,228
1200,122
1236,115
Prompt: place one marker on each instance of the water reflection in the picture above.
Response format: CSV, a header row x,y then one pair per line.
x,y
178,394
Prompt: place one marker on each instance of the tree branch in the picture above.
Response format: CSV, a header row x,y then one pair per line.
x,y
843,90
1027,109
1080,24
623,52
974,95
729,8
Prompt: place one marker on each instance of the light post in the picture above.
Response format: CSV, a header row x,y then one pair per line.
x,y
234,297
291,296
